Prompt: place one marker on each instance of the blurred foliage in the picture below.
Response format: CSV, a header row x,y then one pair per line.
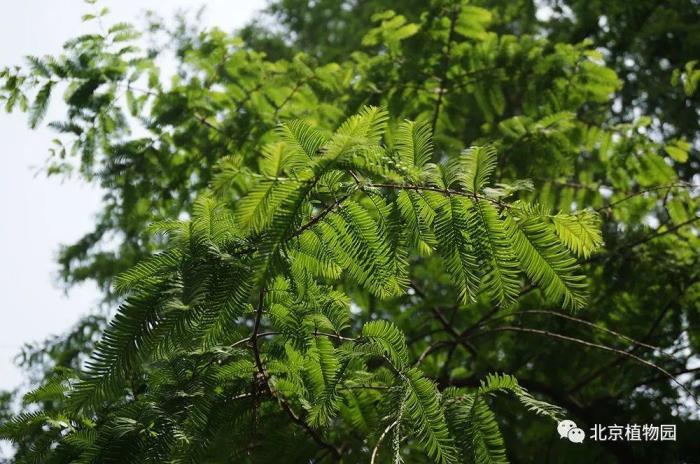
x,y
596,105
645,42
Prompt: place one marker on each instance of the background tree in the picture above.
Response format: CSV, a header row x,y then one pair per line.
x,y
644,43
555,114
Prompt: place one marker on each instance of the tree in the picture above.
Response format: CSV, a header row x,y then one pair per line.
x,y
646,43
456,262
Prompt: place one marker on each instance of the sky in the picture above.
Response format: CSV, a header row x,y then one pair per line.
x,y
37,213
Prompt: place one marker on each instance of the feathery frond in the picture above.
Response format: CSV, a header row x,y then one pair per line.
x,y
382,338
425,413
478,163
501,278
456,247
545,260
413,144
580,232
241,326
303,137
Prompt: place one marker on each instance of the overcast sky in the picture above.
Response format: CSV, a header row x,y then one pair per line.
x,y
37,214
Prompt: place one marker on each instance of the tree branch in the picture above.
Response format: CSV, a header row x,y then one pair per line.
x,y
375,451
592,345
649,190
444,191
320,215
445,68
643,240
581,321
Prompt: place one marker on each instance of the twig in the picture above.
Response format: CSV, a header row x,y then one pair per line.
x,y
445,69
335,336
641,241
445,324
375,451
320,215
592,345
248,339
444,191
642,192
602,369
296,88
254,335
203,120
657,378
657,235
494,309
313,221
429,349
580,321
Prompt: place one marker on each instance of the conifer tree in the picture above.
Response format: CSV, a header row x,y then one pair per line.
x,y
426,249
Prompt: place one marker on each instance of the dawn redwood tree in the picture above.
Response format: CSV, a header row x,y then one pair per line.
x,y
346,256
651,44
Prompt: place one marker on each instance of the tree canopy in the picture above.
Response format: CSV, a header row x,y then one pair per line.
x,y
361,234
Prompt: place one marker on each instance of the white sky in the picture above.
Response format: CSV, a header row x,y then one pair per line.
x,y
37,214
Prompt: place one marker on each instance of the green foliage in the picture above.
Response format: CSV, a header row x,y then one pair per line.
x,y
544,259
422,405
472,418
469,415
293,293
189,304
382,338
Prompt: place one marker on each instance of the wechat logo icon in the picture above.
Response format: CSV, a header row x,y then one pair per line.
x,y
568,429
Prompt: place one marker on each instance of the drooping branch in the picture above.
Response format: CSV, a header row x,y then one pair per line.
x,y
580,321
602,369
375,451
559,336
